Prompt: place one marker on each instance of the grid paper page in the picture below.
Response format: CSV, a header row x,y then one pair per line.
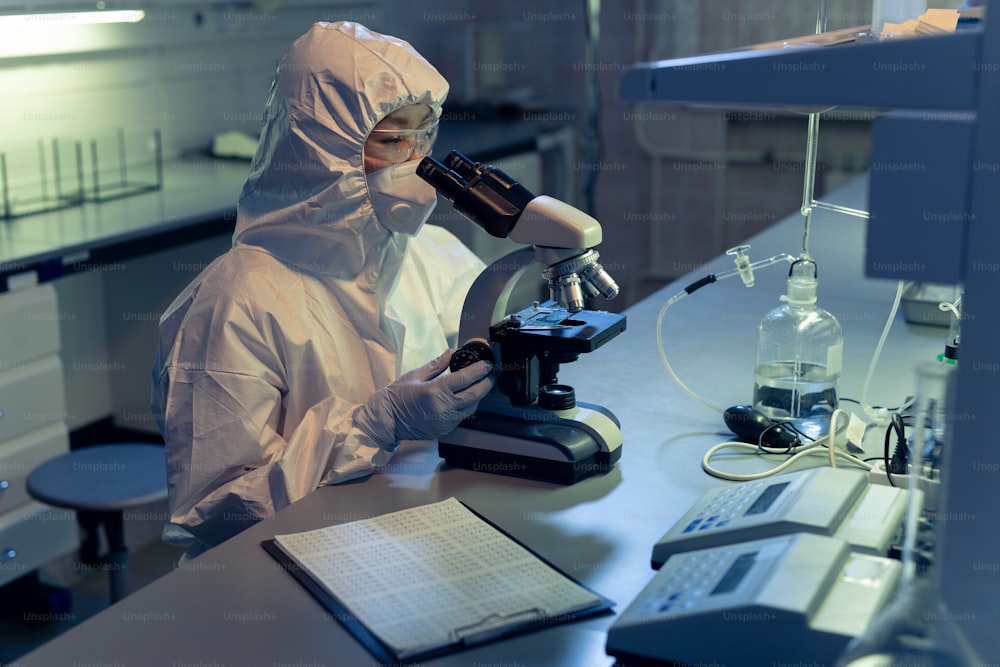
x,y
429,576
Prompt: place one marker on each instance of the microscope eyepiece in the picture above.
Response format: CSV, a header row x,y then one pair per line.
x,y
444,180
461,165
484,194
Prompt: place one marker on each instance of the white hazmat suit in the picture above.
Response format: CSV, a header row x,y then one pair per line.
x,y
270,358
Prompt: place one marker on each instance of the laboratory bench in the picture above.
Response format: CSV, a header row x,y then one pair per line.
x,y
198,199
234,605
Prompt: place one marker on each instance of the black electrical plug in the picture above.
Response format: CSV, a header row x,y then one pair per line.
x,y
899,463
753,427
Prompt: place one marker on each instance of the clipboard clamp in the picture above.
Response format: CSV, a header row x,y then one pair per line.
x,y
494,625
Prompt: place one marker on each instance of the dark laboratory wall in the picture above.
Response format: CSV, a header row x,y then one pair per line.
x,y
672,187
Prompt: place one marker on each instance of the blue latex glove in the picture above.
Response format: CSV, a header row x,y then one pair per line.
x,y
424,404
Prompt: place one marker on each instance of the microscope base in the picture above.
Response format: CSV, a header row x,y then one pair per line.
x,y
554,450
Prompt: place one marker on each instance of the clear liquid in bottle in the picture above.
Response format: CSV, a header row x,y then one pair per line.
x,y
803,394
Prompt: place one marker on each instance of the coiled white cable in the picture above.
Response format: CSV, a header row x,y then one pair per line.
x,y
817,447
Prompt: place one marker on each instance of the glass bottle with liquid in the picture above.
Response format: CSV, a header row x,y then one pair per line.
x,y
799,357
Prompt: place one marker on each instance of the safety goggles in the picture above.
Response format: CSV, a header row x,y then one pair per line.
x,y
399,145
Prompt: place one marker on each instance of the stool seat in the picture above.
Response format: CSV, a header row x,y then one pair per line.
x,y
100,482
102,477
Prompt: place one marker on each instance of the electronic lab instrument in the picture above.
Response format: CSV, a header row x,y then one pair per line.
x,y
798,597
531,425
829,501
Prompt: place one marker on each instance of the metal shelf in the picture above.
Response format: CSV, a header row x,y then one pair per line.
x,y
911,73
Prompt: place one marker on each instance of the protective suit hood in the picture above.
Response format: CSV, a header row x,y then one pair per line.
x,y
306,200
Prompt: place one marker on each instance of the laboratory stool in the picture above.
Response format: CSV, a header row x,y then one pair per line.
x,y
105,479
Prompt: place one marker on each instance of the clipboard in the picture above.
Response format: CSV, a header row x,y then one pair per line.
x,y
489,628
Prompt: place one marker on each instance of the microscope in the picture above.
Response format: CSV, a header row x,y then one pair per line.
x,y
530,425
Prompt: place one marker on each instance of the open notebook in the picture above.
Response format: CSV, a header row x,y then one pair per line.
x,y
429,580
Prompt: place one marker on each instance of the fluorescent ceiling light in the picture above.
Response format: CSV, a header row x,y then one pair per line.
x,y
69,32
72,18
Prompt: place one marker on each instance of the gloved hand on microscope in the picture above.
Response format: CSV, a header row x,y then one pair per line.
x,y
423,404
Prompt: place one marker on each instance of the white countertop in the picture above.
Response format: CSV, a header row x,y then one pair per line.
x,y
194,192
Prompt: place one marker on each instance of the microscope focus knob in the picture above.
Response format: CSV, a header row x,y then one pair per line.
x,y
475,350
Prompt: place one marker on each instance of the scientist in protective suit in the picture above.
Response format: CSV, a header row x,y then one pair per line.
x,y
320,340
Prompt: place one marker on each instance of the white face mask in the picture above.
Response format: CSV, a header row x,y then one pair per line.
x,y
403,201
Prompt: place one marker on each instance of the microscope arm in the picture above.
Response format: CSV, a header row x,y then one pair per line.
x,y
486,302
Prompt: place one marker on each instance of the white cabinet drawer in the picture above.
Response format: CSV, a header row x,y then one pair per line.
x,y
33,535
20,456
31,396
30,325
